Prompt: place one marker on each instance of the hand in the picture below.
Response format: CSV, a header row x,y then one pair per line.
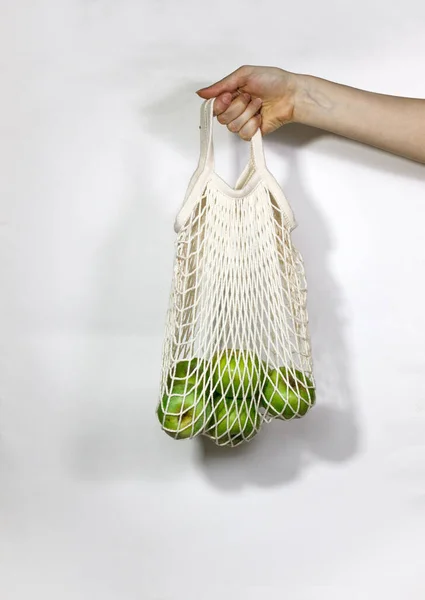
x,y
253,97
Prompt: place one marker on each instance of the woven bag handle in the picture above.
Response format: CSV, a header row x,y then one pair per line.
x,y
205,170
206,159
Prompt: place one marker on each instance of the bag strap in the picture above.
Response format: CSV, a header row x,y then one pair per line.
x,y
205,168
206,159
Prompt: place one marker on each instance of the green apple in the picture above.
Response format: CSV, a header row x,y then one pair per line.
x,y
184,412
190,369
233,421
184,369
236,373
288,394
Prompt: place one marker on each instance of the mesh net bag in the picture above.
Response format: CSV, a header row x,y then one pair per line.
x,y
237,351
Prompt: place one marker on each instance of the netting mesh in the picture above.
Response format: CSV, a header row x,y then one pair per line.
x,y
237,351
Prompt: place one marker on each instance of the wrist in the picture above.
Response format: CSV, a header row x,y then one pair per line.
x,y
311,99
302,86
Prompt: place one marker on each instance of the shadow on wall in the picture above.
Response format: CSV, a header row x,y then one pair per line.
x,y
330,431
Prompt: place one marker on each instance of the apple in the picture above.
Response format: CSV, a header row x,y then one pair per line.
x,y
233,421
190,369
236,373
184,412
288,394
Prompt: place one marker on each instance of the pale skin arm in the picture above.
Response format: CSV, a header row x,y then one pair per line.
x,y
268,97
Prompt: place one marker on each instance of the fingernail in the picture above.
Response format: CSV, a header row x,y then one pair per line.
x,y
246,96
226,98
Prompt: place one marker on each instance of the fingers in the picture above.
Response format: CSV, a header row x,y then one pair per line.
x,y
222,103
233,110
239,113
237,124
228,84
248,130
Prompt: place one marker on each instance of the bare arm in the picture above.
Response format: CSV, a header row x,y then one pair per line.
x,y
269,97
388,122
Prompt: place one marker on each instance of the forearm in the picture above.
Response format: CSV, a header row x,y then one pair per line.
x,y
391,123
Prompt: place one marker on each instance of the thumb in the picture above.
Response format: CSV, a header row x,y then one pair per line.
x,y
229,84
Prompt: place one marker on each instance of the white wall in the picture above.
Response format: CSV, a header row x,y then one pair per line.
x,y
99,137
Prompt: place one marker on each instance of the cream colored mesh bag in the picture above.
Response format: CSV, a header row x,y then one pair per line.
x,y
237,351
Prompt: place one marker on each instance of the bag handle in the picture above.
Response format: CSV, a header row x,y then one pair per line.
x,y
206,159
205,168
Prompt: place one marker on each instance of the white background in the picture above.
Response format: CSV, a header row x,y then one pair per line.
x,y
98,139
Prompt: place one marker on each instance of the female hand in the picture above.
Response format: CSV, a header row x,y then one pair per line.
x,y
253,97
